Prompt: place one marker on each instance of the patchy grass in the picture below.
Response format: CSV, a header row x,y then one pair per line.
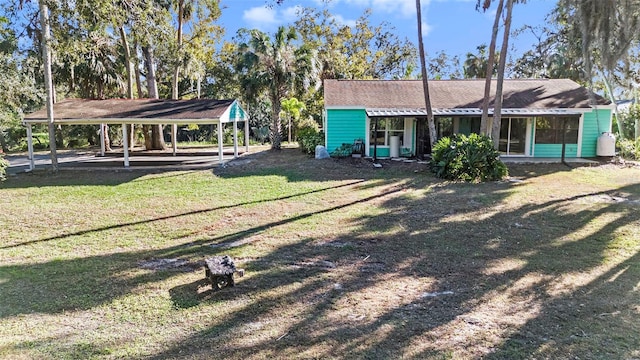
x,y
342,261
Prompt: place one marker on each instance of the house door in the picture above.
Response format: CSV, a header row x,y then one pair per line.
x,y
423,144
513,136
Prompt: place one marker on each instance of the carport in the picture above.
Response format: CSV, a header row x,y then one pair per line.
x,y
145,112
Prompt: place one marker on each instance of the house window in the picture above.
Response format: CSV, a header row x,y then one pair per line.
x,y
387,127
549,130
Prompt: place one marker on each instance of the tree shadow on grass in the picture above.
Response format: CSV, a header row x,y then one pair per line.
x,y
312,298
190,295
459,270
169,217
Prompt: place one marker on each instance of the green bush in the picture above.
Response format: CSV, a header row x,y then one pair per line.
x,y
467,158
309,136
629,149
343,151
4,164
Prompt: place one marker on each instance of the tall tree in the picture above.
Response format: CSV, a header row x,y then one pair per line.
x,y
155,140
484,120
279,65
48,81
359,51
497,109
442,66
425,81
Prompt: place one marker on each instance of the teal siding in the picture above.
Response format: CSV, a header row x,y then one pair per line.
x,y
345,126
555,150
382,152
594,124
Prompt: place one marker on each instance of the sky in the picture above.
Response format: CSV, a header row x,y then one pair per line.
x,y
453,26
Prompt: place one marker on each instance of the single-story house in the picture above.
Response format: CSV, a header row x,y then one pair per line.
x,y
391,115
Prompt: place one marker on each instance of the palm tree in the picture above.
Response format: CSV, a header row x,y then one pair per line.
x,y
476,66
291,109
277,66
425,81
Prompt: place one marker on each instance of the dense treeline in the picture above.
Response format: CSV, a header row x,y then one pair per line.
x,y
143,48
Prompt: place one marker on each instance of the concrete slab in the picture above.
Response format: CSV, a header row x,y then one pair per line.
x,y
140,160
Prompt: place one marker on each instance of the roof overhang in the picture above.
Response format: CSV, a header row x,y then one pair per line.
x,y
140,121
471,112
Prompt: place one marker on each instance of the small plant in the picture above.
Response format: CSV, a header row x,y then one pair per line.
x,y
629,149
467,158
343,151
4,164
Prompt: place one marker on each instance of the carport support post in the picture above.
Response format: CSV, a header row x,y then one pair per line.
x,y
125,145
30,147
246,135
101,139
235,137
220,131
174,138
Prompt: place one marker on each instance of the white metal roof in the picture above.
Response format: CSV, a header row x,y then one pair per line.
x,y
468,112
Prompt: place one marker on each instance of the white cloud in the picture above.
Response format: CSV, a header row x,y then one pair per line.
x,y
426,29
260,17
405,8
342,21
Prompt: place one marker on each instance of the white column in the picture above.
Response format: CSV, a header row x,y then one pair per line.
x,y
220,131
235,137
174,138
125,145
30,147
246,134
101,139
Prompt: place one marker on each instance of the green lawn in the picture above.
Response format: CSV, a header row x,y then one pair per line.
x,y
341,260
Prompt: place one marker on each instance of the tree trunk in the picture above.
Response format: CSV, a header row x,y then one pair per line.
x,y
484,120
127,62
72,81
276,125
137,70
176,71
156,140
128,67
3,143
497,111
107,139
152,85
616,114
48,81
425,81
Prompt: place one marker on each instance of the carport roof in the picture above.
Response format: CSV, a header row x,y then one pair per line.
x,y
141,111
